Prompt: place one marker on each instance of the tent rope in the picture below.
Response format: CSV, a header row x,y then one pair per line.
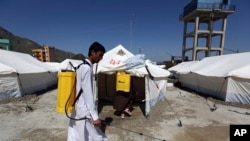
x,y
108,121
217,92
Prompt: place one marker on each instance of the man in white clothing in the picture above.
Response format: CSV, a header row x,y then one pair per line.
x,y
88,129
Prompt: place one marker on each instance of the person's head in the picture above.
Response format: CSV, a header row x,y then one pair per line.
x,y
96,51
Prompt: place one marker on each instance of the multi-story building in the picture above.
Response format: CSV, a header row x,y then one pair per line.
x,y
45,54
5,44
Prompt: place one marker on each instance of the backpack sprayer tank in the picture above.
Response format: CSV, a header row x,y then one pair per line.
x,y
66,91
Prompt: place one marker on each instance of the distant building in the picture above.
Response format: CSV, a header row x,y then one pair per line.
x,y
5,44
45,54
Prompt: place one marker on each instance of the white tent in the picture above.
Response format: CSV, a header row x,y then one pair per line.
x,y
21,74
65,64
52,64
119,58
180,68
225,77
112,60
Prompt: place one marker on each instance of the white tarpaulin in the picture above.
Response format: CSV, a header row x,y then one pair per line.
x,y
22,74
4,69
65,65
181,68
113,60
225,77
119,58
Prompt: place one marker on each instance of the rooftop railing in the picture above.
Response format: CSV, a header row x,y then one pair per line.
x,y
212,6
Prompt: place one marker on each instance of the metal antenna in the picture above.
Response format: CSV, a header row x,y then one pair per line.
x,y
131,32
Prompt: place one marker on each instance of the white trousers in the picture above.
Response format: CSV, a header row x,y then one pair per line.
x,y
84,130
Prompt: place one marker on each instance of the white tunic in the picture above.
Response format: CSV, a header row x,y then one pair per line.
x,y
84,130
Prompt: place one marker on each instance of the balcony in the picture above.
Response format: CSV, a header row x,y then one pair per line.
x,y
206,6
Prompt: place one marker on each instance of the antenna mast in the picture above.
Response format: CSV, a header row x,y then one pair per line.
x,y
131,32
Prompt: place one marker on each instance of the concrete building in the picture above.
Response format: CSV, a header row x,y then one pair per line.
x,y
5,44
45,54
200,33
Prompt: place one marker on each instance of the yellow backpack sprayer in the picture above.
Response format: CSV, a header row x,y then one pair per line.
x,y
67,97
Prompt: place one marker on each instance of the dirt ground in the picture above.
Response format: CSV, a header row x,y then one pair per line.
x,y
182,116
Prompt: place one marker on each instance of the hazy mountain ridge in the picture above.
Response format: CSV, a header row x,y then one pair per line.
x,y
25,45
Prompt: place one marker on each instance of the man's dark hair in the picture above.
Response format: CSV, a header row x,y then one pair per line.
x,y
96,47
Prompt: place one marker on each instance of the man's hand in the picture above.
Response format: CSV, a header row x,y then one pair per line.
x,y
97,122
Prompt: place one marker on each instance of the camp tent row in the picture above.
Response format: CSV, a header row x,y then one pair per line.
x,y
21,74
152,87
226,77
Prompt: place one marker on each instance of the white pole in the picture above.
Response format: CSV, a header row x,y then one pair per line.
x,y
131,32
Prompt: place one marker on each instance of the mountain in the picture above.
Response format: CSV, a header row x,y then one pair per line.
x,y
25,45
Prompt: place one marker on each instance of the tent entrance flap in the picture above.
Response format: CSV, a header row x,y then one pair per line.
x,y
106,90
107,86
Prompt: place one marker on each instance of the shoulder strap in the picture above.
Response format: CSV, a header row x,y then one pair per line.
x,y
80,92
75,68
84,62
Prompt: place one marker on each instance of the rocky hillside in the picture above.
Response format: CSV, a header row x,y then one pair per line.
x,y
24,45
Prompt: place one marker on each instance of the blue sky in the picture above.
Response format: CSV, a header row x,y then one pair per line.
x,y
155,30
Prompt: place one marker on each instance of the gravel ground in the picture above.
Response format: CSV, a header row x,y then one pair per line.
x,y
34,118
